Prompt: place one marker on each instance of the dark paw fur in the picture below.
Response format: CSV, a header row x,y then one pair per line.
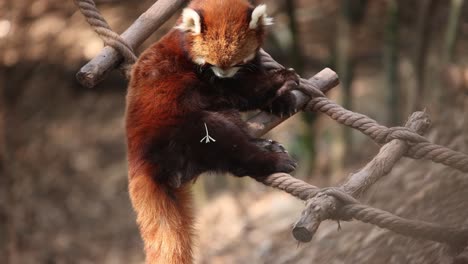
x,y
270,145
282,161
284,103
285,163
283,106
285,80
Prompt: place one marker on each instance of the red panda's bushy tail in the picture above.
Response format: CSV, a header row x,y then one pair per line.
x,y
165,219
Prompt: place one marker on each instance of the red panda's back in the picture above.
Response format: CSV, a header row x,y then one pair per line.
x,y
160,79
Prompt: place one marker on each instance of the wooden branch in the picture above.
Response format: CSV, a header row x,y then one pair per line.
x,y
322,206
108,59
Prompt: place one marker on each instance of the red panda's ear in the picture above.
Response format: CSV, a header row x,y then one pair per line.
x,y
190,21
260,17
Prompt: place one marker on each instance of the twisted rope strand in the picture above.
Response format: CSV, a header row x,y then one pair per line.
x,y
101,27
455,237
351,208
420,147
291,185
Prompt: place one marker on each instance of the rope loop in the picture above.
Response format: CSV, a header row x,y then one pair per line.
x,y
109,37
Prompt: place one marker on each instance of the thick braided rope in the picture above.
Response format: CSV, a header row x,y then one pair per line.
x,y
101,27
420,147
351,208
455,237
291,185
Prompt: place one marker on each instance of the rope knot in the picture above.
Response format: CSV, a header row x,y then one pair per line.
x,y
343,200
403,133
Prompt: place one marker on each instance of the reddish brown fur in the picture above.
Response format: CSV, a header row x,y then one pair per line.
x,y
225,43
165,223
169,99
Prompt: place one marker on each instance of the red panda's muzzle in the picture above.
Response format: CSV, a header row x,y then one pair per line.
x,y
226,72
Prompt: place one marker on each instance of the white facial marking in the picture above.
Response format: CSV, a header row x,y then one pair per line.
x,y
190,21
199,60
260,17
230,72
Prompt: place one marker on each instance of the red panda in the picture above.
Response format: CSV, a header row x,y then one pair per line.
x,y
182,117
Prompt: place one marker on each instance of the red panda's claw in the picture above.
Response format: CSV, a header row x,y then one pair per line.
x,y
298,81
288,85
297,78
285,79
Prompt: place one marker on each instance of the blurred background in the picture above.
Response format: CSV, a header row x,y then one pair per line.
x,y
63,179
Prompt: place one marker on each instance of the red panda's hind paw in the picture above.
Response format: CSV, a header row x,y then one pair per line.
x,y
283,106
281,159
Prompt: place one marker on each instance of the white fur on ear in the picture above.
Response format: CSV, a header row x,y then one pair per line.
x,y
190,21
260,17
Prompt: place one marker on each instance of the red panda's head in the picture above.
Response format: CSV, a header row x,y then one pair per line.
x,y
224,34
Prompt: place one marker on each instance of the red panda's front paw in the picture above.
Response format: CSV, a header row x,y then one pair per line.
x,y
285,163
284,80
269,145
284,102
